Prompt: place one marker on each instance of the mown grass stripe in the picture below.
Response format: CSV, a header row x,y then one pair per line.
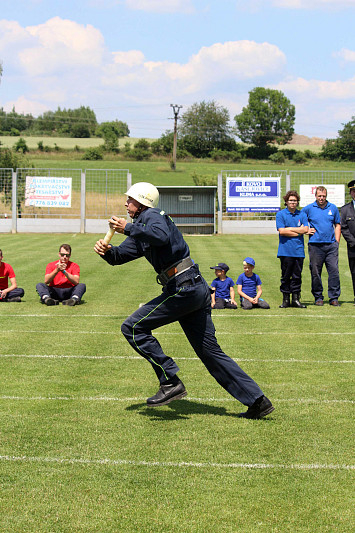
x,y
140,358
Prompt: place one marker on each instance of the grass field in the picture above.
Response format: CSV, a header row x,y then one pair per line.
x,y
81,452
68,143
65,143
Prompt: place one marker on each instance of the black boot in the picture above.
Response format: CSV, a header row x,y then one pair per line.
x,y
286,300
296,301
173,389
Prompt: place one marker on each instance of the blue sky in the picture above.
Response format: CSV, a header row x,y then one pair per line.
x,y
130,59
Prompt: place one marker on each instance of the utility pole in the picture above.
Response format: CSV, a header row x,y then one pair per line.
x,y
176,109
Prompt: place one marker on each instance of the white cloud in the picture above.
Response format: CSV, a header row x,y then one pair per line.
x,y
162,6
61,44
319,90
257,5
313,4
25,105
348,56
132,58
234,60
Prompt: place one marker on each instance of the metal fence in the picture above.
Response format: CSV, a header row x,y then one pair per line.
x,y
6,185
254,222
95,194
222,177
320,177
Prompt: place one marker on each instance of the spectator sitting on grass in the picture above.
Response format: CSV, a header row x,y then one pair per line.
x,y
8,293
61,281
249,287
222,289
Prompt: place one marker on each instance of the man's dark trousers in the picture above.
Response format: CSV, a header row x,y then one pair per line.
x,y
291,274
319,255
190,305
61,294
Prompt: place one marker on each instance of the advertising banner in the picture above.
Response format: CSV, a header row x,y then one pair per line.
x,y
335,194
261,194
48,192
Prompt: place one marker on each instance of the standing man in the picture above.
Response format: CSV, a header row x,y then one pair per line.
x,y
323,246
185,298
8,293
61,281
291,224
348,229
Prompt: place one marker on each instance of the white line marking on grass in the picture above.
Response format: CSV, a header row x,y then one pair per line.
x,y
239,333
180,464
140,399
139,358
66,316
214,315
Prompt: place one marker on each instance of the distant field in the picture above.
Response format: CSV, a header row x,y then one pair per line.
x,y
67,143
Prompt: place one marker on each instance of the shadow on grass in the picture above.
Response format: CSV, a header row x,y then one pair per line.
x,y
181,410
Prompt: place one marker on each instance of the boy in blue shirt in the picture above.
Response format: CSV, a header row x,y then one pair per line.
x,y
249,287
222,289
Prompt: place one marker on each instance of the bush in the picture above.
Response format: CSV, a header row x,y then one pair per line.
x,y
93,154
226,155
202,180
277,158
141,151
40,146
139,154
80,130
21,146
299,157
309,154
289,153
14,132
256,152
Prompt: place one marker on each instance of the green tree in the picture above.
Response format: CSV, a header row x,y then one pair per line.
x,y
342,148
268,118
205,127
115,127
163,145
80,122
111,132
11,159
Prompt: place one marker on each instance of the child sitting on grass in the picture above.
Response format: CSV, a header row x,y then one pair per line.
x,y
222,289
249,287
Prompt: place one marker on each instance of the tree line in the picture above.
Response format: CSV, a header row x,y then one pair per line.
x,y
78,123
204,131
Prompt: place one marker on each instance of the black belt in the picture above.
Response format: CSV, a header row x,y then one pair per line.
x,y
191,281
174,270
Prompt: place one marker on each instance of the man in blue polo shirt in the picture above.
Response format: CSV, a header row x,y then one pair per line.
x,y
291,224
323,246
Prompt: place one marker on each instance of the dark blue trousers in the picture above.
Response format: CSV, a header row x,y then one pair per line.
x,y
319,255
61,294
15,293
191,307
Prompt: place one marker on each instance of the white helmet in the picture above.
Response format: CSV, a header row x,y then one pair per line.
x,y
145,193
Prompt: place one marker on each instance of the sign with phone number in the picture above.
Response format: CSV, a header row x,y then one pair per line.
x,y
261,194
48,192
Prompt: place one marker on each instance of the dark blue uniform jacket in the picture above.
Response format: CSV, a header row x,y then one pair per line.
x,y
153,235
